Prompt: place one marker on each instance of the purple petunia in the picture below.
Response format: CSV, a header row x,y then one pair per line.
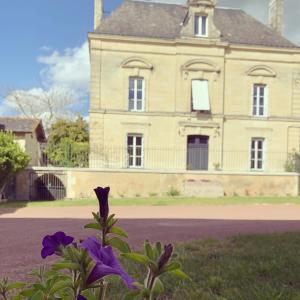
x,y
52,243
80,297
102,195
106,262
166,255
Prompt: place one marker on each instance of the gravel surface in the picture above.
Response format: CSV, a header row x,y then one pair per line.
x,y
21,238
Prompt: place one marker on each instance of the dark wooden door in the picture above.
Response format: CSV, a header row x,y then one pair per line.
x,y
197,152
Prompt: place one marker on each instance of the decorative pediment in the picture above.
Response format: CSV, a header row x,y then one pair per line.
x,y
200,65
136,63
202,2
261,70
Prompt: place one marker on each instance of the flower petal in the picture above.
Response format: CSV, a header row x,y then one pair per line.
x,y
47,251
100,271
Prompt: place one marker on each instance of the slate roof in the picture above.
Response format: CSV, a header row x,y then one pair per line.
x,y
23,125
164,21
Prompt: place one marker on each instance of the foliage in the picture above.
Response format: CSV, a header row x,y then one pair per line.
x,y
173,192
292,163
12,158
84,269
68,143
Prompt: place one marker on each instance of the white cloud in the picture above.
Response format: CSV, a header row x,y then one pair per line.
x,y
69,70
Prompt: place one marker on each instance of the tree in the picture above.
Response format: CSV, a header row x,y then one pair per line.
x,y
68,143
47,104
12,158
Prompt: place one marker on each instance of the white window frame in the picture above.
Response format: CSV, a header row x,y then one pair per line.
x,y
256,151
135,98
134,147
255,107
199,18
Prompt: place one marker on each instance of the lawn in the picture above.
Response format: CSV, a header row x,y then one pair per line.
x,y
155,201
261,267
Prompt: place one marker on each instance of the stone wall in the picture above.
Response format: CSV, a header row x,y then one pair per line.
x,y
134,183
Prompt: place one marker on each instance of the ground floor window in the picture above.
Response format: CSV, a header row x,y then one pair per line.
x,y
257,154
135,150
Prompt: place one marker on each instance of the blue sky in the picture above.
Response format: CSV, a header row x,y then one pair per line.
x,y
44,41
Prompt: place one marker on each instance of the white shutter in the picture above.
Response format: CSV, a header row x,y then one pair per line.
x,y
200,95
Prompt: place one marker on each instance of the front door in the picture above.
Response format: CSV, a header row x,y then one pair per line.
x,y
197,152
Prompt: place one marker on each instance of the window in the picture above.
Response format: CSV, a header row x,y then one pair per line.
x,y
257,154
200,95
259,107
201,25
136,94
135,151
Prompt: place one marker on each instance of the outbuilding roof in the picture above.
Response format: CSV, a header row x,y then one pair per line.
x,y
23,125
165,21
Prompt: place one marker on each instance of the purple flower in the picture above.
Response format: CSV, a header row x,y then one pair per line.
x,y
52,243
102,195
106,262
165,257
81,298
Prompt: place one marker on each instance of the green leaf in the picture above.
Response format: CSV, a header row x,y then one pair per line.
x,y
96,226
88,295
170,267
149,250
65,265
180,274
119,244
131,295
16,285
158,287
138,258
59,285
37,296
119,231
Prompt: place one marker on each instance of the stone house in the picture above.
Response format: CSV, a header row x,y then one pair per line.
x,y
29,134
193,87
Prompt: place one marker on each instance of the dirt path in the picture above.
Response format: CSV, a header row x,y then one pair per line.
x,y
208,212
21,230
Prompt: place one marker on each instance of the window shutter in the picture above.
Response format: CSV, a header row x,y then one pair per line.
x,y
200,95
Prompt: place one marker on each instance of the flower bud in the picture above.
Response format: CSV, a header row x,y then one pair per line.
x,y
165,257
102,195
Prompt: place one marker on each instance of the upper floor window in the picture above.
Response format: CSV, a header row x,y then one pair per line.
x,y
200,95
257,154
135,150
260,99
136,97
201,28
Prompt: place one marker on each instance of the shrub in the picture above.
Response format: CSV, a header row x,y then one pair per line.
x,y
12,158
173,192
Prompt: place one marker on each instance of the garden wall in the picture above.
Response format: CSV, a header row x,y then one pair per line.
x,y
79,183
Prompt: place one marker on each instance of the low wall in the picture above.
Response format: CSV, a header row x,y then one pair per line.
x,y
131,183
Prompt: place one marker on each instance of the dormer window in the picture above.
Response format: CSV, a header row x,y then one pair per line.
x,y
201,28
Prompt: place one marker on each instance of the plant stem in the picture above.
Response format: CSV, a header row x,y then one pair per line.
x,y
103,290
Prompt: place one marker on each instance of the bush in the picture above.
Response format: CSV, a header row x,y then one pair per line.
x,y
173,192
12,158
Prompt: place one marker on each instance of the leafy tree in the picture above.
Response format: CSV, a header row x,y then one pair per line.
x,y
12,158
68,143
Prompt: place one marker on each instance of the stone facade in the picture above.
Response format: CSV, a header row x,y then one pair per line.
x,y
168,67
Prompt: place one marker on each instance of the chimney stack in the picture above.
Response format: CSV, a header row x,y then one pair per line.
x,y
98,12
276,11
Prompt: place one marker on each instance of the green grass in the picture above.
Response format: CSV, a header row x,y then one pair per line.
x,y
164,201
260,267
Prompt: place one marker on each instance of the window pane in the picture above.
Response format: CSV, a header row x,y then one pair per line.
x,y
197,18
252,164
255,90
131,105
130,150
259,144
138,162
140,84
139,105
204,25
259,164
262,91
259,154
131,94
130,140
252,154
261,111
139,94
138,151
131,83
138,140
130,161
